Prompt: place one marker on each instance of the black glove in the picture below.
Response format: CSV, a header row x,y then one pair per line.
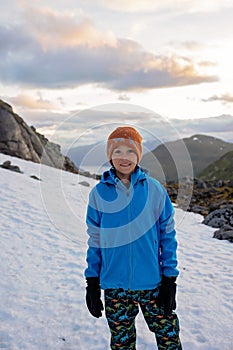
x,y
93,293
167,295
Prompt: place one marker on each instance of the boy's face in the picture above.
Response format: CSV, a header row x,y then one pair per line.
x,y
124,160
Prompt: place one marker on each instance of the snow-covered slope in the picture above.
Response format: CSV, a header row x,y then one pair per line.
x,y
42,258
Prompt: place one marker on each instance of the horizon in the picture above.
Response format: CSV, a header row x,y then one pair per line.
x,y
80,129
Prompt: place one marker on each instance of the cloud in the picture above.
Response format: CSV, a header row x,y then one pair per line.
x,y
148,71
54,29
131,5
182,6
30,102
123,97
73,132
56,51
192,45
224,98
14,39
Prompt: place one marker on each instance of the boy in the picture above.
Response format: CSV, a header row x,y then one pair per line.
x,y
132,248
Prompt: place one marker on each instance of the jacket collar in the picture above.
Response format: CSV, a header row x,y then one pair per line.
x,y
138,175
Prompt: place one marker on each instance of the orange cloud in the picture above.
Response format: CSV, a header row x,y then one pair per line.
x,y
224,98
54,29
71,54
31,102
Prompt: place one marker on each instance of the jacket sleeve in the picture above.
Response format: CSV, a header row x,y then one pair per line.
x,y
168,242
93,230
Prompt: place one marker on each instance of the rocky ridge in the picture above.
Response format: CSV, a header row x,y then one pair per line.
x,y
20,140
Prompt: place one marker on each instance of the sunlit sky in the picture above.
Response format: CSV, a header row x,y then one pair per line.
x,y
171,57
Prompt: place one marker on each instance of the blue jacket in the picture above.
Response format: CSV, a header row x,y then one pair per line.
x,y
131,232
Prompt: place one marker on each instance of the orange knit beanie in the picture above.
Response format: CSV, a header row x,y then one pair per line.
x,y
126,135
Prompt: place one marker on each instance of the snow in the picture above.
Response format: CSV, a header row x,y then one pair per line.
x,y
42,288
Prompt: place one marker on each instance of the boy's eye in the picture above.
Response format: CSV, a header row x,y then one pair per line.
x,y
116,151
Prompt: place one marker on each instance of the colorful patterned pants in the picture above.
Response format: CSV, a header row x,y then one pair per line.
x,y
122,307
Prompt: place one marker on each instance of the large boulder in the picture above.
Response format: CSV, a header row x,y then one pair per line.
x,y
223,219
20,140
220,217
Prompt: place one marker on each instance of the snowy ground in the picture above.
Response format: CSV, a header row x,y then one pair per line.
x,y
42,259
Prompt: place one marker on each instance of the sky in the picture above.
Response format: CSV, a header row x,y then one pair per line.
x,y
60,58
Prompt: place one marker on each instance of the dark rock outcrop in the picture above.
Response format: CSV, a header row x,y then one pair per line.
x,y
220,217
35,177
212,199
7,165
225,232
20,140
200,196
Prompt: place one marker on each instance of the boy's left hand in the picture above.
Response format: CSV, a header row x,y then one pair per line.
x,y
167,295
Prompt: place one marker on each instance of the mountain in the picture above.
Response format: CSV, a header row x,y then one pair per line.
x,y
95,154
88,155
177,159
221,169
20,140
219,127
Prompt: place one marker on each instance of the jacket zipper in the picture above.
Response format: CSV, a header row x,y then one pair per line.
x,y
130,239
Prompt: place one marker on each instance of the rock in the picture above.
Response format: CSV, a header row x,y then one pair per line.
x,y
7,165
20,140
220,217
198,209
214,221
84,173
35,177
200,184
225,232
84,183
201,197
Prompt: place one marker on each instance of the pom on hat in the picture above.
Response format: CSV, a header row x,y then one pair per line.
x,y
125,135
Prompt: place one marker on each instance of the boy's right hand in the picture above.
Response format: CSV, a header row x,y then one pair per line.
x,y
167,295
93,293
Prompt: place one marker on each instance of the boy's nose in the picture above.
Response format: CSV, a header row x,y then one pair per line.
x,y
124,156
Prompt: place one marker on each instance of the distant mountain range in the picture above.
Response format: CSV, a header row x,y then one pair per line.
x,y
95,154
201,155
177,159
168,161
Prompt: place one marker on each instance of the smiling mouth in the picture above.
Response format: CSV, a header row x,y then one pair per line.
x,y
125,164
